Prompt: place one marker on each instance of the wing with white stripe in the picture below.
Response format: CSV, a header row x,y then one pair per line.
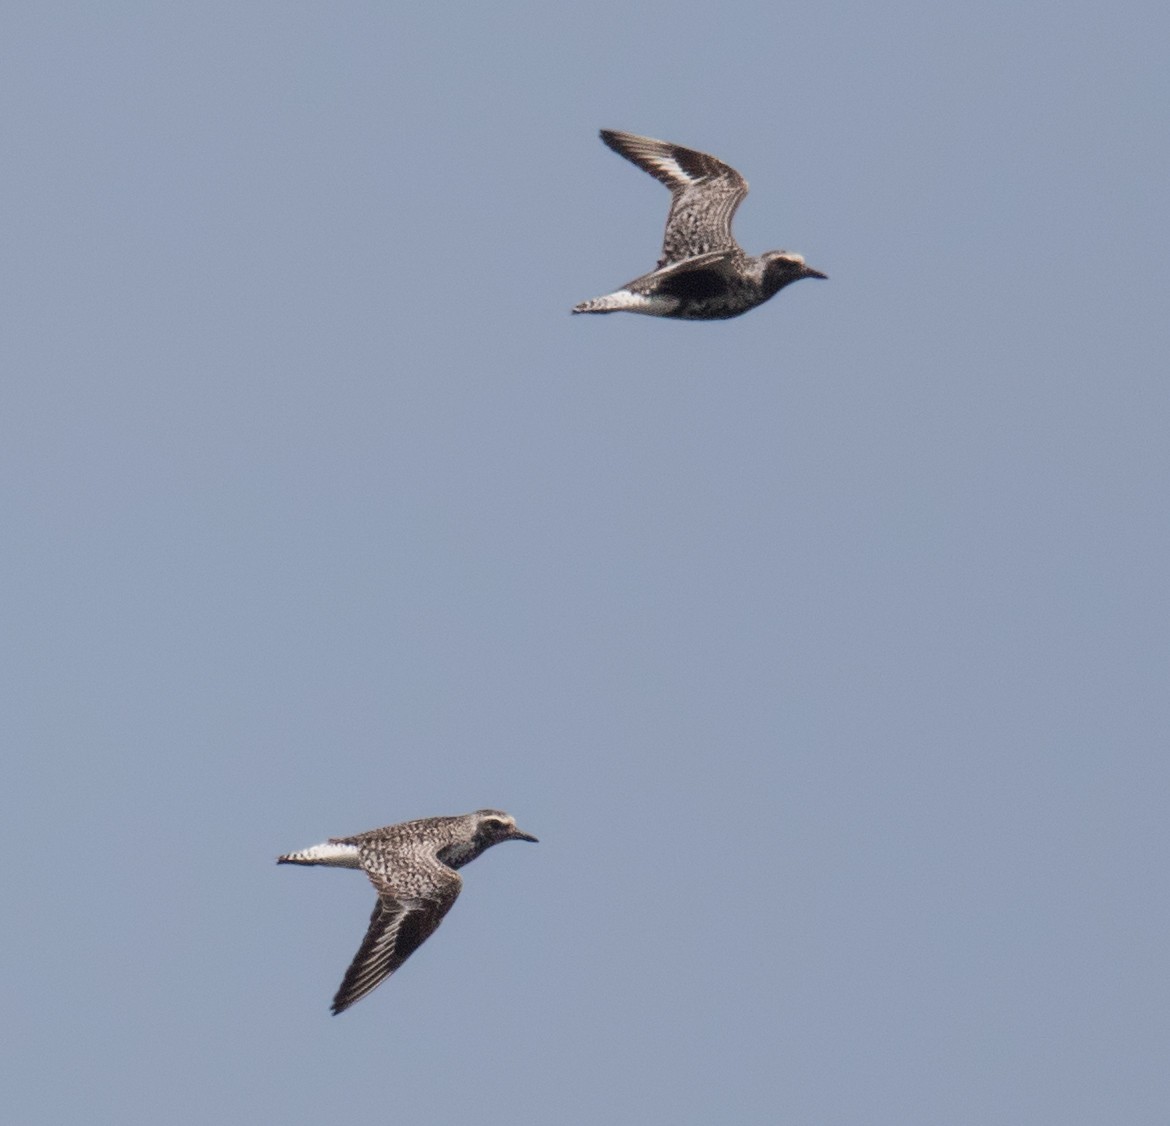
x,y
704,193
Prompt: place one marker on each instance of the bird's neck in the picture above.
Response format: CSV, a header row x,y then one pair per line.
x,y
456,855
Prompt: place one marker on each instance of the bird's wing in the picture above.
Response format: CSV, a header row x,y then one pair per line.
x,y
720,261
704,193
398,927
699,278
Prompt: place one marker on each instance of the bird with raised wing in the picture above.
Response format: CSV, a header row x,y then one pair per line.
x,y
703,273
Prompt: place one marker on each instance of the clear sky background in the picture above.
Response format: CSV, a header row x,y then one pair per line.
x,y
827,650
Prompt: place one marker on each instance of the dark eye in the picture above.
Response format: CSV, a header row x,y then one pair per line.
x,y
494,826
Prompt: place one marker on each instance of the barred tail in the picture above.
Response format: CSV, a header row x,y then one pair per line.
x,y
627,301
334,854
605,304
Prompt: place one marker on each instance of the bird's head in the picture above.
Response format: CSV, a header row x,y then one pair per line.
x,y
493,826
782,267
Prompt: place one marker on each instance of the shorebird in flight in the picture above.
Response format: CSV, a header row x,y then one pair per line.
x,y
703,273
412,867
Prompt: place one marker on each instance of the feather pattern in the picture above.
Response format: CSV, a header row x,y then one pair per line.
x,y
703,273
412,867
704,193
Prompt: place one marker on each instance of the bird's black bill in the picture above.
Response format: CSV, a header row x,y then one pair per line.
x,y
809,272
516,835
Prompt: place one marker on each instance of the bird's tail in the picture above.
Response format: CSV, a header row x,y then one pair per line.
x,y
610,303
335,854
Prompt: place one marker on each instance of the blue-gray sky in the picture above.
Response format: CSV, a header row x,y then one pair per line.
x,y
826,650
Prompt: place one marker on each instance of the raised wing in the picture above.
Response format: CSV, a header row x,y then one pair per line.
x,y
704,193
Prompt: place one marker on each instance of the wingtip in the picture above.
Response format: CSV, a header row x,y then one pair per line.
x,y
614,139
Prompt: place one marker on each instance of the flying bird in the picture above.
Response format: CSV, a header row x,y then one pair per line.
x,y
703,273
413,868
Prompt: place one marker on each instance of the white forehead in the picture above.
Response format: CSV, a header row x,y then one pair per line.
x,y
788,256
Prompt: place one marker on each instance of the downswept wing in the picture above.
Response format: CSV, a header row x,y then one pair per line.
x,y
704,193
398,927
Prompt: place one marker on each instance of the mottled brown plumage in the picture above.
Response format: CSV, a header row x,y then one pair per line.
x,y
412,867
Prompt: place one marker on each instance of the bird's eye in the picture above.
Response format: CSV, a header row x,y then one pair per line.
x,y
494,825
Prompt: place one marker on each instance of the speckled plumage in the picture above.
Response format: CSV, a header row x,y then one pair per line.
x,y
412,867
703,273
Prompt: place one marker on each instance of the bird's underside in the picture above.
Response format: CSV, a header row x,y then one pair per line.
x,y
706,287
